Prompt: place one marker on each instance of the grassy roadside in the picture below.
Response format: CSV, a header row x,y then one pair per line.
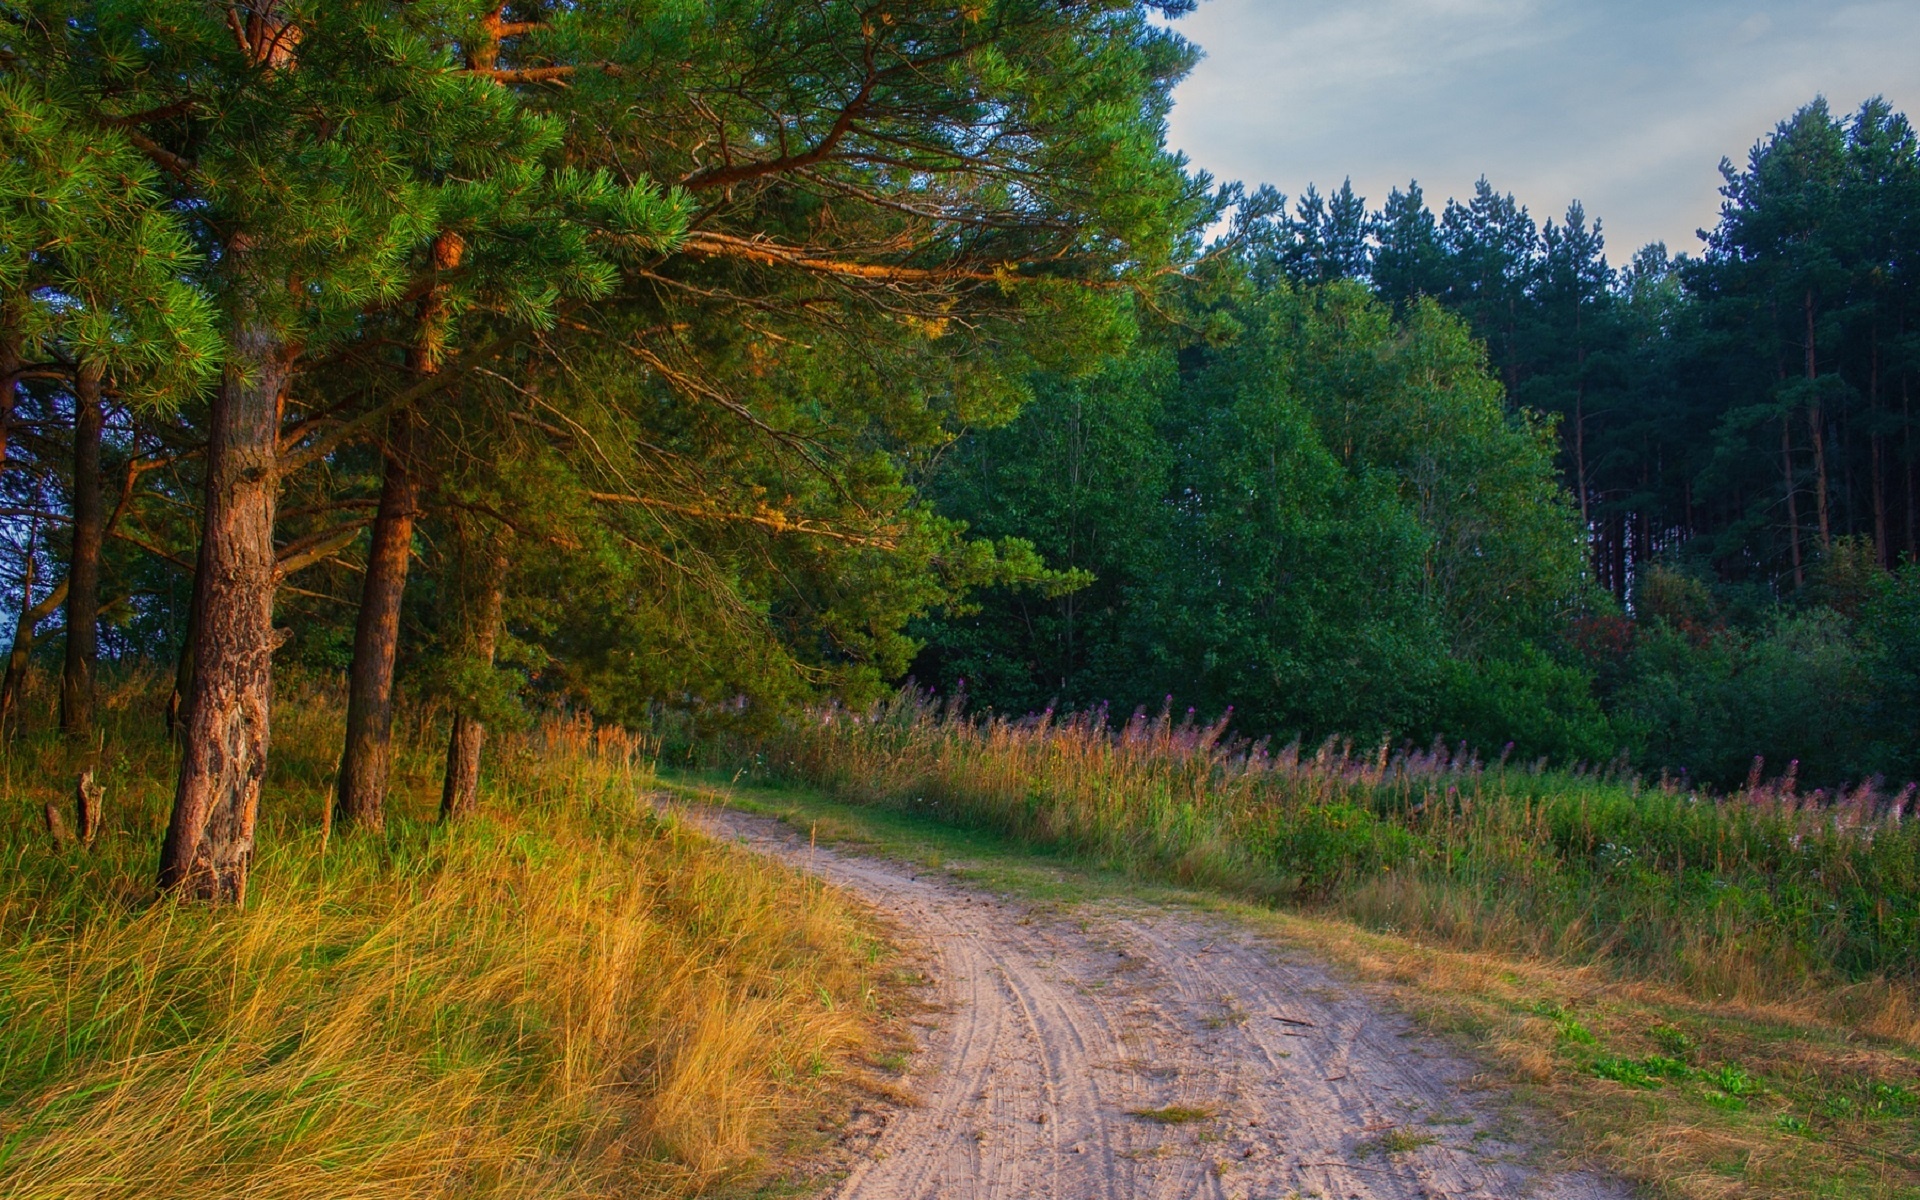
x,y
567,997
1690,1097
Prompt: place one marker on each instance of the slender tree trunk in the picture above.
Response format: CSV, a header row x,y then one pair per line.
x,y
11,345
225,723
1793,505
362,795
1882,549
365,760
1913,495
183,666
483,599
1580,456
23,627
1815,428
83,571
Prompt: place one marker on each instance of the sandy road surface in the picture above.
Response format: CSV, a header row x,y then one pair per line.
x,y
1051,1033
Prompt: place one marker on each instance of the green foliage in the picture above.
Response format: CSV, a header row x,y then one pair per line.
x,y
1531,704
1797,690
94,266
1318,524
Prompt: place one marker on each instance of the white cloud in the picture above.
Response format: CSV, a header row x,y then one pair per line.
x,y
1627,105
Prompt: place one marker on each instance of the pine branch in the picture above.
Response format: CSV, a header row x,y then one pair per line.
x,y
303,552
766,518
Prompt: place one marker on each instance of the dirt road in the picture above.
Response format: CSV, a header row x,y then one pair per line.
x,y
1131,1052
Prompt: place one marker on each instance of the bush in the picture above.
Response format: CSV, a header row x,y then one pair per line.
x,y
1544,708
1799,691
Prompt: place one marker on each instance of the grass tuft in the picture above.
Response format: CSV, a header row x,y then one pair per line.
x,y
566,997
1173,1114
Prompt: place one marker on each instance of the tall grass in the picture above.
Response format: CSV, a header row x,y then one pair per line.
x,y
1763,895
565,997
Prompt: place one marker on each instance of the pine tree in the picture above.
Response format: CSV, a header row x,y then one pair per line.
x,y
1408,260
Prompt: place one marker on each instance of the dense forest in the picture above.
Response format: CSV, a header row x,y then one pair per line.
x,y
1392,473
727,358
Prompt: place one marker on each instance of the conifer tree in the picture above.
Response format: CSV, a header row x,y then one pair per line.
x,y
1408,261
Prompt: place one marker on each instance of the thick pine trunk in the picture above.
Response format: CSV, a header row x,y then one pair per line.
x,y
83,570
362,794
225,722
483,562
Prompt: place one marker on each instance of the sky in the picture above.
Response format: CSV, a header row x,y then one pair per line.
x,y
1625,105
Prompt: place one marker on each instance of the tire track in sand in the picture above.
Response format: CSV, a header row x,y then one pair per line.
x,y
1053,1031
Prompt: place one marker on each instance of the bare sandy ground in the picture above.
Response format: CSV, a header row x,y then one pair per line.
x,y
1050,1035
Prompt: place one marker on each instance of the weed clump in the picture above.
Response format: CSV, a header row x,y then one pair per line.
x,y
1764,894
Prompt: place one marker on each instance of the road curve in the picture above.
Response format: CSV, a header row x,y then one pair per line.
x,y
1054,1033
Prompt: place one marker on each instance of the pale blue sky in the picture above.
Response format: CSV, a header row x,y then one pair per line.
x,y
1627,105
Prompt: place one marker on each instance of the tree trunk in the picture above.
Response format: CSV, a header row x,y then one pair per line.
x,y
22,637
11,346
83,571
1882,550
362,794
1793,505
364,762
1580,457
183,667
483,565
1906,434
225,725
1819,434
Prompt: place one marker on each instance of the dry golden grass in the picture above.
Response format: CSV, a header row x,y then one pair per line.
x,y
565,997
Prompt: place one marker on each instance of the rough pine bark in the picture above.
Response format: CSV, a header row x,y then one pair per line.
x,y
83,570
224,724
362,791
485,594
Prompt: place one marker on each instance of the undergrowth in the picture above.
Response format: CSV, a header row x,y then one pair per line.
x,y
567,996
1760,896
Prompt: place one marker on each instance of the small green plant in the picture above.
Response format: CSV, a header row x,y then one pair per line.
x,y
1172,1114
1675,1041
1650,1072
1734,1081
1394,1141
1891,1100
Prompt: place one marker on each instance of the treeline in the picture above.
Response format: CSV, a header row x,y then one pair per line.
x,y
1658,511
1740,408
573,351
